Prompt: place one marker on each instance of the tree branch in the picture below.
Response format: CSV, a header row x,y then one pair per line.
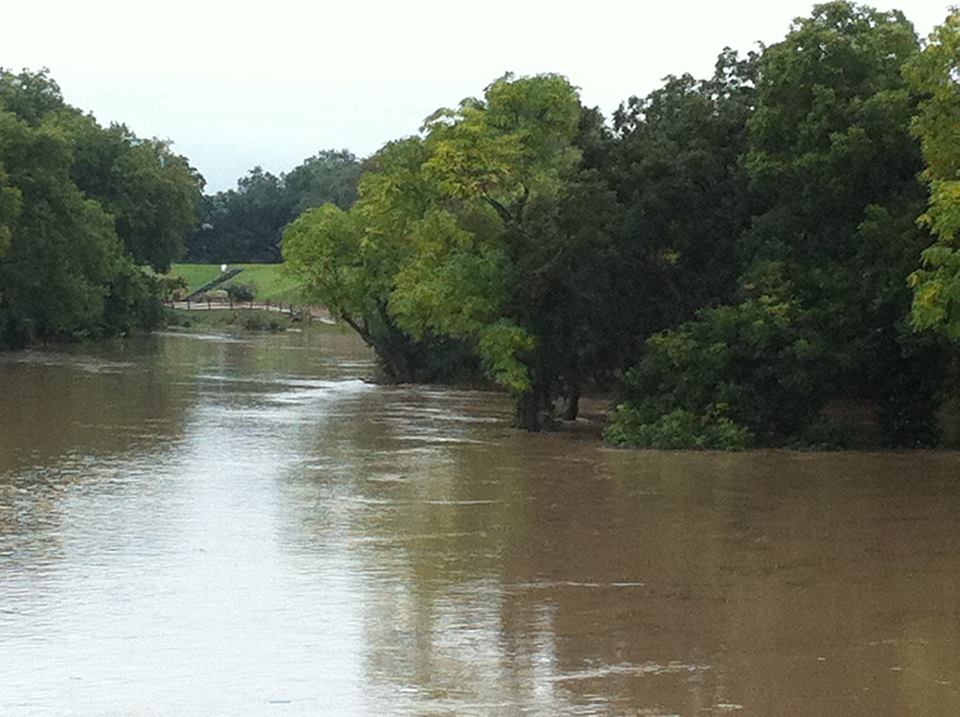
x,y
499,208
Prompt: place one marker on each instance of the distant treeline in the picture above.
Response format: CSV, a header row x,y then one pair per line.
x,y
245,225
734,252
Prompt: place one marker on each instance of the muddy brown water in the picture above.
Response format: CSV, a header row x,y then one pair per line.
x,y
206,525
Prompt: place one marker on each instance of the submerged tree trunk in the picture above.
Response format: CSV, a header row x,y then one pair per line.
x,y
391,350
396,349
395,363
572,408
528,412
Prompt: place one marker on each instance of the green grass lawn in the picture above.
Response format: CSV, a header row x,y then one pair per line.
x,y
268,280
196,275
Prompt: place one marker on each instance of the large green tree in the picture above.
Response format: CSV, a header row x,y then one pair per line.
x,y
350,261
506,271
65,272
150,191
489,232
936,74
80,207
328,177
243,224
832,169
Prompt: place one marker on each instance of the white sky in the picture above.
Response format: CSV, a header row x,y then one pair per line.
x,y
237,84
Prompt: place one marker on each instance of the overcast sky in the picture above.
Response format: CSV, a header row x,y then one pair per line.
x,y
238,84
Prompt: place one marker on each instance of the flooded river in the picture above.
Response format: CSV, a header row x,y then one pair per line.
x,y
202,525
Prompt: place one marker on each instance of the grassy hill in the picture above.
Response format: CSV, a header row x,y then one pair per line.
x,y
268,280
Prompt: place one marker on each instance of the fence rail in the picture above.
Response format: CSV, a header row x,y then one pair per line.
x,y
315,313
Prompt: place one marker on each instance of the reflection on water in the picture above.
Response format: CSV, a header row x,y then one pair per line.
x,y
196,525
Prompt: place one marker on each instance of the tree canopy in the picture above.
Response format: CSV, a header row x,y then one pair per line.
x,y
80,207
150,191
935,73
734,248
475,233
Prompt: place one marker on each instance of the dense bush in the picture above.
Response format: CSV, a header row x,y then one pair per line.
x,y
256,322
171,287
912,397
736,371
241,292
824,434
678,429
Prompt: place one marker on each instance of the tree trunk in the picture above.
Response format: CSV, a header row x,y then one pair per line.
x,y
389,350
572,409
528,411
394,363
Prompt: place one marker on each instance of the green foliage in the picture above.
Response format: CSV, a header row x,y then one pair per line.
x,y
246,224
515,141
330,176
500,346
456,237
829,138
677,430
677,167
240,292
132,302
451,284
171,287
741,240
824,434
151,191
30,96
348,261
936,285
526,210
916,388
750,362
834,166
325,251
63,269
10,206
831,168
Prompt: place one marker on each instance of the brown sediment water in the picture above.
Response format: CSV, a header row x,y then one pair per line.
x,y
210,525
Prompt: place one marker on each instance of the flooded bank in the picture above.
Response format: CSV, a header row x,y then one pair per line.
x,y
198,524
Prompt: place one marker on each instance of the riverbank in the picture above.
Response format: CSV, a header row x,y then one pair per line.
x,y
257,320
